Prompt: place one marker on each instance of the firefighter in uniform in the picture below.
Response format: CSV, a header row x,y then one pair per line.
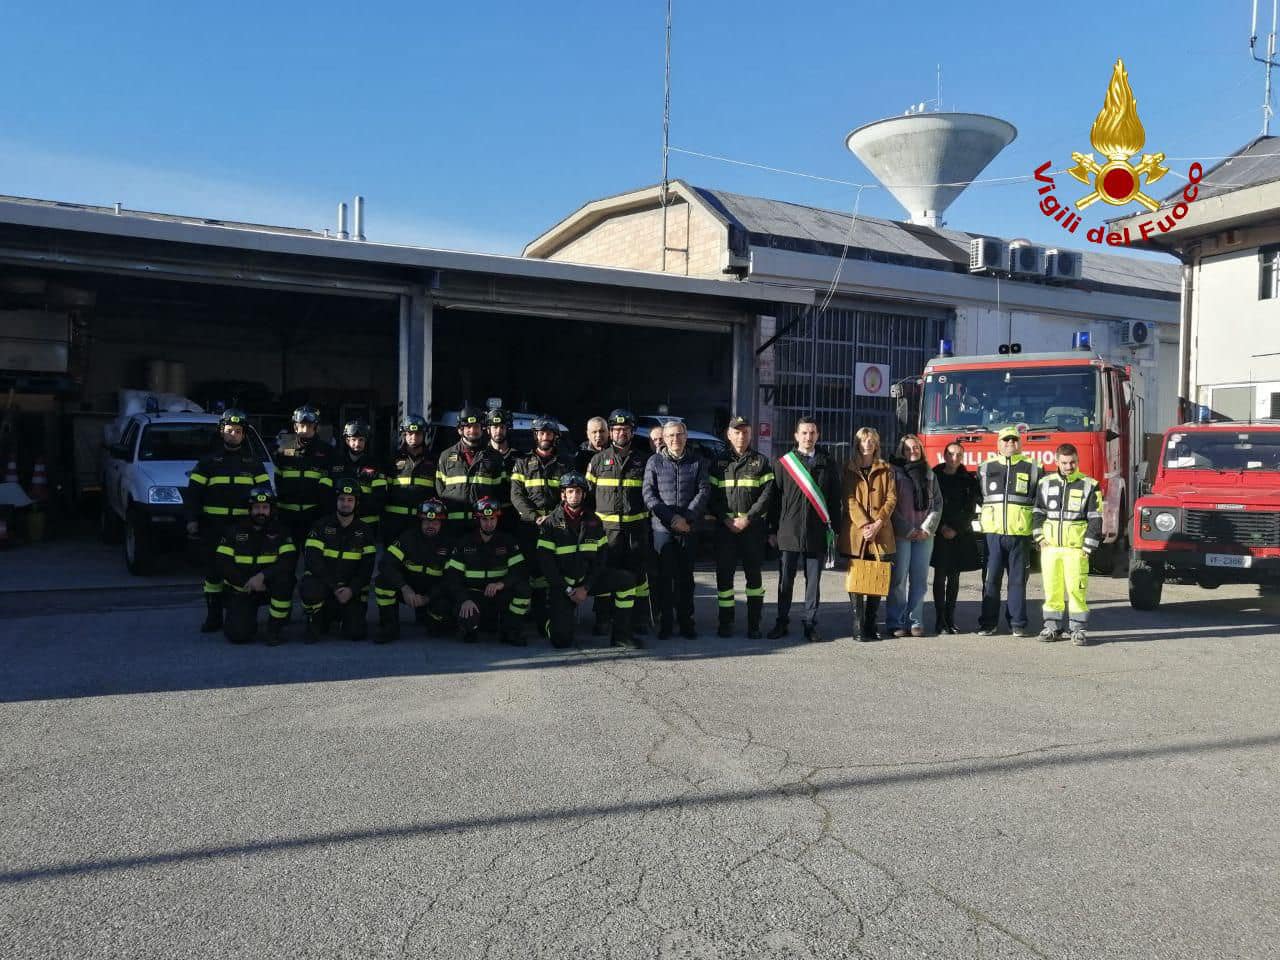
x,y
1007,493
412,573
1068,526
469,470
303,484
338,563
572,550
411,477
215,497
535,493
616,476
498,425
258,559
742,494
354,461
488,579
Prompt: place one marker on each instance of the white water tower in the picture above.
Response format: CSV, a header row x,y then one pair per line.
x,y
927,159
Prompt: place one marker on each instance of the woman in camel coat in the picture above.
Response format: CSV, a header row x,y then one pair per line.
x,y
869,496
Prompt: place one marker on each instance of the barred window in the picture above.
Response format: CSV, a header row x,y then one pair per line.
x,y
1269,273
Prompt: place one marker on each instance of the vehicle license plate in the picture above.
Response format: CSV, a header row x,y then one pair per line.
x,y
1228,560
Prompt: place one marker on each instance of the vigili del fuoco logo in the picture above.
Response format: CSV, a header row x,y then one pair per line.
x,y
1118,135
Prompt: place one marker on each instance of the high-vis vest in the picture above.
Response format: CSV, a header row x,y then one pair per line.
x,y
220,482
460,484
1068,511
1008,491
742,486
535,485
302,475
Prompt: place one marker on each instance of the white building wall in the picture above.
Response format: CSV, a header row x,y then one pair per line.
x,y
1235,336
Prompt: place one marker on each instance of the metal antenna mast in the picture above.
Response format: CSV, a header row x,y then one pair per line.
x,y
1269,61
666,138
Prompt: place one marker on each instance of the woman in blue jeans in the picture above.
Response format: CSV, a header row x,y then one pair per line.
x,y
915,521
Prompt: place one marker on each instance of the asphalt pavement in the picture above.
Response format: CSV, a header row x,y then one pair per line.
x,y
165,794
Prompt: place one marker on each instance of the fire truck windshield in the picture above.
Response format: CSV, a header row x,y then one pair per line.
x,y
1044,398
1228,450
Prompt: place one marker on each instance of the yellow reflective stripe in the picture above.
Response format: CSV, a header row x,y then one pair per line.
x,y
454,481
413,481
743,482
414,567
313,542
394,508
372,519
455,565
518,476
289,473
395,551
239,478
368,548
199,478
591,477
224,549
353,554
217,511
622,518
536,482
514,559
587,547
478,574
314,475
458,515
288,547
297,507
615,482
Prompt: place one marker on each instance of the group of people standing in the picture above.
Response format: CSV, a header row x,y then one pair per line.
x,y
487,535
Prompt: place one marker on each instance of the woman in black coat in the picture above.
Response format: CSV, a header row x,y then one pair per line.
x,y
955,549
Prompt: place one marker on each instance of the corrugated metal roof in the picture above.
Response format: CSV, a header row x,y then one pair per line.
x,y
1256,162
778,223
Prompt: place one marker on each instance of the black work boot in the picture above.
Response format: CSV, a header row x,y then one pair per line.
x,y
275,631
314,628
353,622
213,613
725,627
780,629
513,636
755,609
388,624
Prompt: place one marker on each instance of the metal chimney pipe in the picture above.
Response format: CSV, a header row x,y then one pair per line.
x,y
359,219
118,208
342,222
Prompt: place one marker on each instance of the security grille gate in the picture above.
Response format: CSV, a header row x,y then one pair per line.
x,y
815,363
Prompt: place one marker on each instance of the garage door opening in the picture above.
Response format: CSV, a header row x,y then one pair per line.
x,y
574,369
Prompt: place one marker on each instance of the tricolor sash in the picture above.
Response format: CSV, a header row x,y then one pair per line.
x,y
798,472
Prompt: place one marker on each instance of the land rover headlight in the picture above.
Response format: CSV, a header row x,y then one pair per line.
x,y
164,495
1165,522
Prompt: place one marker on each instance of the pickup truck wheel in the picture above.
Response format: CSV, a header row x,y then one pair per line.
x,y
139,547
1146,583
110,529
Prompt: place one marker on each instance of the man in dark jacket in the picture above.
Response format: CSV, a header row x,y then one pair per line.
x,y
597,440
339,565
676,491
469,470
488,579
571,552
742,495
801,532
257,558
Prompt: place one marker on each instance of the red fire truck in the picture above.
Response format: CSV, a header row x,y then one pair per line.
x,y
1052,398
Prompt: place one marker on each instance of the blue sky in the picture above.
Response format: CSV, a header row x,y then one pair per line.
x,y
477,126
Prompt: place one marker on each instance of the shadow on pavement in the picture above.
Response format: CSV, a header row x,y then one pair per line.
x,y
1054,756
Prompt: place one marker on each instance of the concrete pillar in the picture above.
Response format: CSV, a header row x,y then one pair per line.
x,y
415,352
743,387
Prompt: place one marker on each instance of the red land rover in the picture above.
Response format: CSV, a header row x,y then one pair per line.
x,y
1212,515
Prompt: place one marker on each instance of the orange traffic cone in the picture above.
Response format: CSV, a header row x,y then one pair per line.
x,y
39,482
11,472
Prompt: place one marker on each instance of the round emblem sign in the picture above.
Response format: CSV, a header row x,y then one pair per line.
x,y
872,380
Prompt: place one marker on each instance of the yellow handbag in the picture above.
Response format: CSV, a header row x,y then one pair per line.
x,y
869,577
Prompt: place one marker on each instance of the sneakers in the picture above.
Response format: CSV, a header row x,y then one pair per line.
x,y
1048,635
987,631
1020,632
899,632
1080,638
780,629
917,631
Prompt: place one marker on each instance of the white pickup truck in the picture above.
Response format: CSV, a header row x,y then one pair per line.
x,y
145,478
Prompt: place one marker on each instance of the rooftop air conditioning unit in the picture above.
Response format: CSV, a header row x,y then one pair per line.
x,y
987,255
1026,260
1063,264
1135,333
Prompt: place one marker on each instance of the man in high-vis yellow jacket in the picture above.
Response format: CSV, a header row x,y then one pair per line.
x,y
1007,492
1068,527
